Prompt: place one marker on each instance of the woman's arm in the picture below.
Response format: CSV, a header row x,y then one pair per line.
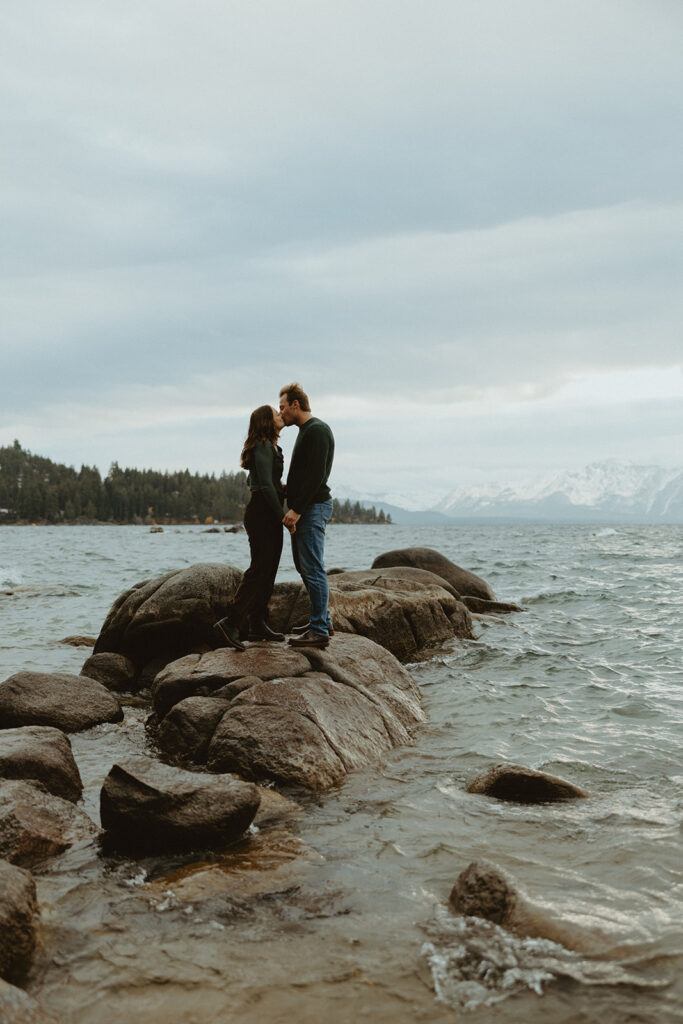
x,y
262,477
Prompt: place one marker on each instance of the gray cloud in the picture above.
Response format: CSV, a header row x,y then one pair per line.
x,y
456,200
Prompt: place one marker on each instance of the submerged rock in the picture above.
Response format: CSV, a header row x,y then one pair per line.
x,y
484,890
481,607
68,702
44,754
524,785
34,824
18,908
115,671
147,806
169,616
464,582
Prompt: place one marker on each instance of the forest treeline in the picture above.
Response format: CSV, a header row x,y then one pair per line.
x,y
34,489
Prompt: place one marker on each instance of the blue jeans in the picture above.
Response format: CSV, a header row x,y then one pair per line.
x,y
308,551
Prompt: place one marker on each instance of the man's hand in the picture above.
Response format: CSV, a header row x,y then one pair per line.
x,y
290,520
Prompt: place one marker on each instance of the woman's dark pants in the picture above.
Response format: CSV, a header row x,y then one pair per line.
x,y
265,543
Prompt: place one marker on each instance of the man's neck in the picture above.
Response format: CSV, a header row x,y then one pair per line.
x,y
304,417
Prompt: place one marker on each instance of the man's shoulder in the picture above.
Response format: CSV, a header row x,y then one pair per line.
x,y
317,426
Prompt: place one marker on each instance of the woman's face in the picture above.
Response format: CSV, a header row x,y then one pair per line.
x,y
278,421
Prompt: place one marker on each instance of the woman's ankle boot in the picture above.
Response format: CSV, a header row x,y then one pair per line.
x,y
260,630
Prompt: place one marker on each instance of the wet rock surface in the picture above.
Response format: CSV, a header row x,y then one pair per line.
x,y
402,608
463,581
481,607
171,615
148,806
34,824
68,702
188,728
353,704
524,785
17,921
17,1007
115,671
44,754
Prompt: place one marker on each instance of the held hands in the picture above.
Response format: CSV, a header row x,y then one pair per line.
x,y
290,520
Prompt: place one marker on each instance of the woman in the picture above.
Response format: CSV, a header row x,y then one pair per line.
x,y
263,516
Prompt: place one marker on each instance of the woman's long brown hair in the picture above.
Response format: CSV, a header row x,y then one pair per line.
x,y
261,428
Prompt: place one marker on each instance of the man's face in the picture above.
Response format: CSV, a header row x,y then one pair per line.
x,y
287,411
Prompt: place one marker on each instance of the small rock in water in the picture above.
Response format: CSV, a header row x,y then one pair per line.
x,y
524,785
35,824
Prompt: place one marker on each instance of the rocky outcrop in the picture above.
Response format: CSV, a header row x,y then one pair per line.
x,y
354,704
405,609
17,1007
18,908
524,785
115,671
169,616
300,717
34,824
44,754
147,806
464,582
70,703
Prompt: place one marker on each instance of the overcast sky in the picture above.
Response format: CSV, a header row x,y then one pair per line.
x,y
458,223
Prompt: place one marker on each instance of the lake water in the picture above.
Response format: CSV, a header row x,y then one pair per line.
x,y
586,683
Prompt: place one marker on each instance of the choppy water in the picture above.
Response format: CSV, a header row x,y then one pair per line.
x,y
586,683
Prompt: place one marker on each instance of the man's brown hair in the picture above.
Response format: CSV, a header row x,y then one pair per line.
x,y
295,393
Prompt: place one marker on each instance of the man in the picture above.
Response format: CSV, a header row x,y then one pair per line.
x,y
309,509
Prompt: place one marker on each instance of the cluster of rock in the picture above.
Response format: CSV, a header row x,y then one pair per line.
x,y
295,717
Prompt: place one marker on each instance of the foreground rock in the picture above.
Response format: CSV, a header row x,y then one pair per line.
x,y
18,908
481,607
300,717
148,806
405,609
169,616
483,890
34,824
68,702
115,671
17,1007
524,785
44,754
464,582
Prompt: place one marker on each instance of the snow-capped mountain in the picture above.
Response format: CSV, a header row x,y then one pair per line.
x,y
602,491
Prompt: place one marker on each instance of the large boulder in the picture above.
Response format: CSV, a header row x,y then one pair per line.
x,y
354,704
68,702
34,824
404,609
18,908
202,674
463,581
522,785
42,753
171,615
18,1007
148,806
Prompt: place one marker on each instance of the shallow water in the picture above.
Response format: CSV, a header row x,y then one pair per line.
x,y
349,920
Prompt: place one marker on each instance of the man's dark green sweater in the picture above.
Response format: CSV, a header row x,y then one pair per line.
x,y
310,466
